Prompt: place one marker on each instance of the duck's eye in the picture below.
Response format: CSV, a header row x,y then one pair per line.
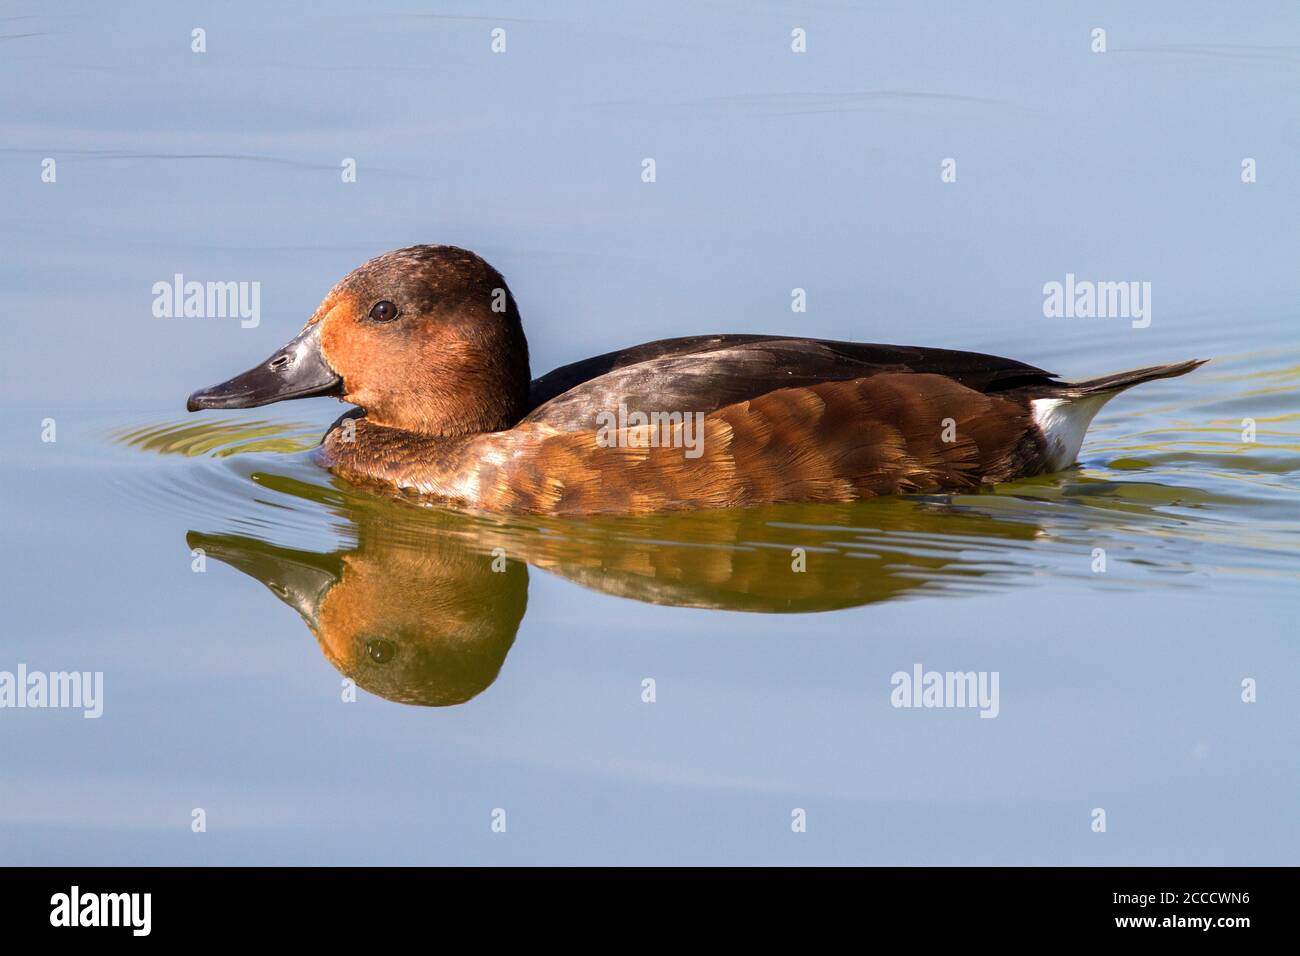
x,y
383,311
379,650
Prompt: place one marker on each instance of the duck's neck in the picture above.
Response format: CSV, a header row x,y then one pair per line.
x,y
443,413
363,451
464,388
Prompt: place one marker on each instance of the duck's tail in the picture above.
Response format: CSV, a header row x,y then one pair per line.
x,y
1112,384
1064,412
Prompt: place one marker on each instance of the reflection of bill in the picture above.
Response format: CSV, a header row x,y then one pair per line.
x,y
425,607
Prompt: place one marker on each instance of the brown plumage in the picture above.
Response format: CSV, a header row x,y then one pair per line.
x,y
835,441
429,342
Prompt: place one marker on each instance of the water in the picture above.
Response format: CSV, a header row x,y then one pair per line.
x,y
522,688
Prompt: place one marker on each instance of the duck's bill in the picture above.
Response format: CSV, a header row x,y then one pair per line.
x,y
298,370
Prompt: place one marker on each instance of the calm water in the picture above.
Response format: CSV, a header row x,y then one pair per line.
x,y
522,688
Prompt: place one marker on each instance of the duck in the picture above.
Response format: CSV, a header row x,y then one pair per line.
x,y
427,342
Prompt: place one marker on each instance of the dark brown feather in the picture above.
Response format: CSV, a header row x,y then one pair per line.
x,y
704,373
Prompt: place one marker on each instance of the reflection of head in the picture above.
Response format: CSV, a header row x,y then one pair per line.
x,y
429,626
422,628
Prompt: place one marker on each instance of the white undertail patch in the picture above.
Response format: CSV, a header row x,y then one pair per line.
x,y
1063,422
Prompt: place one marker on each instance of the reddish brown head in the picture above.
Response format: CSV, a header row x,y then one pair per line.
x,y
426,339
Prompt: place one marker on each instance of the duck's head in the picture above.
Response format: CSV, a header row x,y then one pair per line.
x,y
426,339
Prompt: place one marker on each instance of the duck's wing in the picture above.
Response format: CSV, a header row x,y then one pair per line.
x,y
887,434
706,372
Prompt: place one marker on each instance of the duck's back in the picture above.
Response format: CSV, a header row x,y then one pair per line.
x,y
707,372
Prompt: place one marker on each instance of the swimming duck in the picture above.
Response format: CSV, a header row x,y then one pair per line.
x,y
428,342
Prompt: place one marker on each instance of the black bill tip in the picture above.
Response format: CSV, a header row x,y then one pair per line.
x,y
222,396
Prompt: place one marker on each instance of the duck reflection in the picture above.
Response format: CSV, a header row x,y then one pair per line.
x,y
430,626
424,605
